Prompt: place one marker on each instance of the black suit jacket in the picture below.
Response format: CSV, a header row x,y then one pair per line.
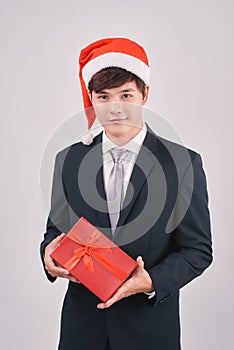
x,y
165,219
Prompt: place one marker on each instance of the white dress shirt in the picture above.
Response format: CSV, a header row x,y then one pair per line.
x,y
133,148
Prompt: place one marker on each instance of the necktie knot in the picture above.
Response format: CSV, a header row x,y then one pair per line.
x,y
118,155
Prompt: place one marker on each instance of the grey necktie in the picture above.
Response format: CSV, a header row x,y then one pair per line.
x,y
115,185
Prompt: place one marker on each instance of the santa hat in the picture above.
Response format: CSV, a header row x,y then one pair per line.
x,y
110,52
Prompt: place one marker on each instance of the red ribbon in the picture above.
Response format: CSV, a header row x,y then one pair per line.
x,y
91,249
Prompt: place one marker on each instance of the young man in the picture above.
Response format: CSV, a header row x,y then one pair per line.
x,y
145,193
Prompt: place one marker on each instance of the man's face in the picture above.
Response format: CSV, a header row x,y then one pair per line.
x,y
119,110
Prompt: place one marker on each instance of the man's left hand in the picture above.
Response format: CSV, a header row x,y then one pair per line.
x,y
140,282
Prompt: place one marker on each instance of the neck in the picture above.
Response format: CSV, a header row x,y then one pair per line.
x,y
121,140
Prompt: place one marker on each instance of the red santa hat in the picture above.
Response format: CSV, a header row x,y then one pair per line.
x,y
110,52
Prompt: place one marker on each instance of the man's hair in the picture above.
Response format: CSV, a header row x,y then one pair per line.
x,y
112,77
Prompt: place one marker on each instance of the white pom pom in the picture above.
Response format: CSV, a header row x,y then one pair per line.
x,y
87,138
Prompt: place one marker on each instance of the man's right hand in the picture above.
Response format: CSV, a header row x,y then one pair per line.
x,y
51,266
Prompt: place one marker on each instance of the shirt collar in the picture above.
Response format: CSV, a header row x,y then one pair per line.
x,y
133,145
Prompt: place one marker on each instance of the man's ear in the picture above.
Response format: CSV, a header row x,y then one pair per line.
x,y
146,94
90,95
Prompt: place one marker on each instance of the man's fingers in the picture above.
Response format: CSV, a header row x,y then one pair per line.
x,y
56,241
59,272
50,265
136,284
52,245
120,294
72,279
56,271
53,269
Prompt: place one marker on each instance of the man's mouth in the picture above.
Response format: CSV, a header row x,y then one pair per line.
x,y
118,120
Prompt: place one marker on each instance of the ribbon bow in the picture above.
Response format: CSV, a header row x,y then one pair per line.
x,y
91,249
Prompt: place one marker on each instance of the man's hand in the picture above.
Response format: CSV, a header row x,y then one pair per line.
x,y
51,266
139,282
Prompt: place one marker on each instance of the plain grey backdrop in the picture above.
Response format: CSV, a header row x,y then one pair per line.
x,y
190,45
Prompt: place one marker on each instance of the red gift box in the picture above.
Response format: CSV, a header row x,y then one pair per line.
x,y
93,259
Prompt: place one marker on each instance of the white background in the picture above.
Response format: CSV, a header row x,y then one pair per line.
x,y
190,45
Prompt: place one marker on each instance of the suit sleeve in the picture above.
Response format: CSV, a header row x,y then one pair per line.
x,y
58,220
193,247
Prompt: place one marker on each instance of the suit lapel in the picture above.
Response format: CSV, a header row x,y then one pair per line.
x,y
144,165
98,194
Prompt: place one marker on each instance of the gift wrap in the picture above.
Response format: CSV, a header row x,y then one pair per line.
x,y
93,259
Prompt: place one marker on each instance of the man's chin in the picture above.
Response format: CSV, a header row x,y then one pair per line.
x,y
121,130
121,127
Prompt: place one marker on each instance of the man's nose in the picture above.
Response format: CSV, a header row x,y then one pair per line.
x,y
116,108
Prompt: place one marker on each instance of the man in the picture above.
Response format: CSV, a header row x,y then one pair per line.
x,y
150,199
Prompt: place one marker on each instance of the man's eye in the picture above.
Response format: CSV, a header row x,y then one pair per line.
x,y
102,97
127,96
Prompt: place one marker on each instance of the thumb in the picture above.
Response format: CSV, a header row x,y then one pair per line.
x,y
57,240
140,262
53,244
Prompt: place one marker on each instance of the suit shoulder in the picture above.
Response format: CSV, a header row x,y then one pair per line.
x,y
77,148
176,147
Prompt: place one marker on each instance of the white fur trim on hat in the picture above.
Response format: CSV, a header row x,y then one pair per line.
x,y
116,59
87,138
